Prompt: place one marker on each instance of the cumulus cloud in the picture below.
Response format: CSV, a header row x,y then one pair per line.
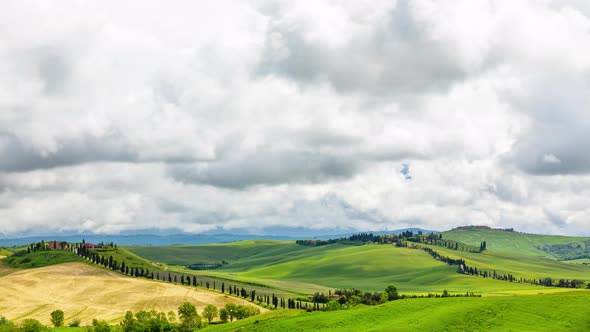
x,y
294,115
391,54
267,168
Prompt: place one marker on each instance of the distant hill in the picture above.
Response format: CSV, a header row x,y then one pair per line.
x,y
178,239
513,242
143,239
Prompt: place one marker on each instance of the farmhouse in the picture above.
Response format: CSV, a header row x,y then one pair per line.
x,y
55,245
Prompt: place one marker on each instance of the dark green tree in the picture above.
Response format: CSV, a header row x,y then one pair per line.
x,y
57,318
129,322
223,315
232,311
392,293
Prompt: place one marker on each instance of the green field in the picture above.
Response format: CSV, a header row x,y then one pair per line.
x,y
522,313
524,266
585,261
5,252
301,269
22,259
238,255
515,242
123,255
291,270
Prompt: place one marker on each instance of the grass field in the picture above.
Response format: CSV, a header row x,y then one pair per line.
x,y
585,261
520,265
85,292
22,259
512,242
131,260
523,313
5,252
301,269
239,255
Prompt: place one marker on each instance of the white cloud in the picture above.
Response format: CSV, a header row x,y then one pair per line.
x,y
204,116
551,159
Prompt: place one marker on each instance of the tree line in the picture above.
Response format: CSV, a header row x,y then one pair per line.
x,y
400,240
462,267
188,319
270,301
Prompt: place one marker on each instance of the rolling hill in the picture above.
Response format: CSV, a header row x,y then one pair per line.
x,y
304,269
523,313
85,292
512,242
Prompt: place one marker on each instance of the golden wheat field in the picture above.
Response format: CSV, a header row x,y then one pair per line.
x,y
85,292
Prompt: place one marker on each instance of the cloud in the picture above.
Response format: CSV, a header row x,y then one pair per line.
x,y
294,115
16,156
268,168
551,159
391,54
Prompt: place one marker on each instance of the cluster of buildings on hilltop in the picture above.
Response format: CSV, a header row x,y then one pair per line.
x,y
57,245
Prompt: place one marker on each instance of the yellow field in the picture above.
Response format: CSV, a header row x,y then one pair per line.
x,y
86,292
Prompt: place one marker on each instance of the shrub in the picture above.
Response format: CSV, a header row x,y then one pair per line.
x,y
101,326
32,325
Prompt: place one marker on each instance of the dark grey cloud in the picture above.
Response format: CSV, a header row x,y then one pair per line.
x,y
268,168
332,211
54,70
555,219
399,57
16,156
319,138
556,144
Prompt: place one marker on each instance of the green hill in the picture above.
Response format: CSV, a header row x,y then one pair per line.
x,y
305,269
549,246
120,254
523,313
524,266
5,252
22,259
238,255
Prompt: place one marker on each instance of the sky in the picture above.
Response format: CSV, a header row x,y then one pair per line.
x,y
278,116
